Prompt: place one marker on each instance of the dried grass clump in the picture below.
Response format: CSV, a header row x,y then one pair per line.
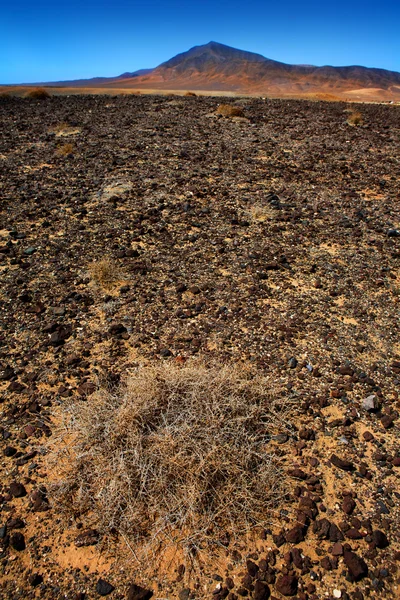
x,y
38,93
65,150
105,273
178,452
229,110
193,94
355,118
259,212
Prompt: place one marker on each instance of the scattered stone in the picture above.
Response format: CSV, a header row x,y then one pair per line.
x,y
345,465
337,549
35,579
89,537
136,592
387,421
103,588
17,490
17,541
287,585
348,505
295,535
379,539
261,591
356,565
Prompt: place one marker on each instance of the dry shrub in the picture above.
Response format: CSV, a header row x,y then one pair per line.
x,y
177,450
190,94
105,273
65,150
259,212
61,127
38,93
229,110
355,118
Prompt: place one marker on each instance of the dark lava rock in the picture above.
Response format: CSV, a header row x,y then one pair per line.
x,y
353,534
393,233
35,579
295,535
89,537
348,505
287,585
345,465
261,591
103,588
17,541
17,490
136,592
252,568
9,451
321,529
335,535
292,363
356,565
165,352
387,421
86,389
38,500
15,523
337,549
117,329
379,538
298,474
7,374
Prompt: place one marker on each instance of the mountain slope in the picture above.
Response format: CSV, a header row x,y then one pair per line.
x,y
217,67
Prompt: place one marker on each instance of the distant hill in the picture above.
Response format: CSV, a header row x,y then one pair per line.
x,y
98,81
217,67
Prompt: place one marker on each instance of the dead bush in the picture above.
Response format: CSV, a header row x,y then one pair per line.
x,y
355,118
176,451
65,150
230,110
38,93
190,94
105,273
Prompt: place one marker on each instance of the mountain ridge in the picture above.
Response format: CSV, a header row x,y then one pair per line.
x,y
216,67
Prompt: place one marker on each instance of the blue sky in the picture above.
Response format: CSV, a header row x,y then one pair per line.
x,y
48,40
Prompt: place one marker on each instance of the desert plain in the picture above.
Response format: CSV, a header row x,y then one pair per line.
x,y
269,239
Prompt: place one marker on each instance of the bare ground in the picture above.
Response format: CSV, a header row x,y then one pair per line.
x,y
270,240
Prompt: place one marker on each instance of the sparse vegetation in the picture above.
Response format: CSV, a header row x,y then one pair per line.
x,y
230,110
177,449
105,273
38,94
61,127
190,94
65,150
355,118
259,212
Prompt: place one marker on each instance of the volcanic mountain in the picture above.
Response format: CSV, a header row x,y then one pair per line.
x,y
215,66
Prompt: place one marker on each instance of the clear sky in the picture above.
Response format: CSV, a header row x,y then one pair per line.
x,y
49,40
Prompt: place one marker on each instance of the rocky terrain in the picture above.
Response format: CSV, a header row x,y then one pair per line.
x,y
271,238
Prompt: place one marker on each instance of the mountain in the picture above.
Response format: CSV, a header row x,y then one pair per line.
x,y
98,81
215,67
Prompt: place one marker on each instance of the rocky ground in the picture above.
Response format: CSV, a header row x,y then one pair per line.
x,y
272,238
